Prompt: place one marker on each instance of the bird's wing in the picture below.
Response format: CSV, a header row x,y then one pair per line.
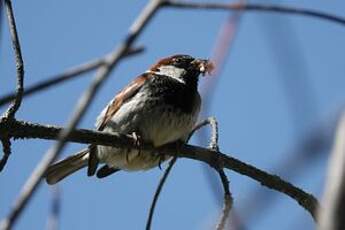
x,y
125,94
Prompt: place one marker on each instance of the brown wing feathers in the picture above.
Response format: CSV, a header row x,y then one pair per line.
x,y
128,92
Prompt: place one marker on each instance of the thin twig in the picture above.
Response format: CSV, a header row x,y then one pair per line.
x,y
214,131
6,147
20,129
214,146
222,49
228,200
83,104
60,78
12,109
256,7
69,74
331,216
10,113
158,191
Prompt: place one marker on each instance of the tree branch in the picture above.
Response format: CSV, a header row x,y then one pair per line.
x,y
6,147
224,42
228,200
10,113
12,109
256,7
69,74
158,191
218,166
214,146
21,129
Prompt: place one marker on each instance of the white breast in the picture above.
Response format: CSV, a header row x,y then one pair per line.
x,y
158,125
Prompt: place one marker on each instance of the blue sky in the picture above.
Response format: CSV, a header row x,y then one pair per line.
x,y
283,77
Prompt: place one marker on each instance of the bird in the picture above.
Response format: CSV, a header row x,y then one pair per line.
x,y
160,106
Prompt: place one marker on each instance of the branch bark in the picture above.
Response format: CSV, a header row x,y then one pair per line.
x,y
158,192
228,200
256,7
10,113
13,108
24,130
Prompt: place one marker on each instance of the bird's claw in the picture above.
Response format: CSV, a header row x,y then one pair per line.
x,y
161,159
137,141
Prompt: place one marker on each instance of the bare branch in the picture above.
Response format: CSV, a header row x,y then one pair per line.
x,y
256,7
331,215
214,146
10,113
60,78
12,109
228,200
84,102
6,146
158,191
69,74
308,201
214,131
220,53
20,129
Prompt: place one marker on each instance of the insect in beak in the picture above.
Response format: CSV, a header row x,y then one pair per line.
x,y
205,66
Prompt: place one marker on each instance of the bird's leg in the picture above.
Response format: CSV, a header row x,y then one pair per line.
x,y
179,144
127,155
163,157
137,141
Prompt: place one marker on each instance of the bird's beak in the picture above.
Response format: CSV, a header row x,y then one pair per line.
x,y
204,66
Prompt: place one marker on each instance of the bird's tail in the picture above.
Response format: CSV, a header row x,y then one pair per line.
x,y
64,168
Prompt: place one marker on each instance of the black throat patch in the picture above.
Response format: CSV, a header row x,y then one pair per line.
x,y
182,96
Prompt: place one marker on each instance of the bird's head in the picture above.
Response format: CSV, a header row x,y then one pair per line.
x,y
182,67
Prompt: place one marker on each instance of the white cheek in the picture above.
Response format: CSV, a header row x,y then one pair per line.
x,y
172,71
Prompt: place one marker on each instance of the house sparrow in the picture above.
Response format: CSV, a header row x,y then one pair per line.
x,y
160,106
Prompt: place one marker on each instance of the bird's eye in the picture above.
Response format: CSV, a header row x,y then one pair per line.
x,y
177,60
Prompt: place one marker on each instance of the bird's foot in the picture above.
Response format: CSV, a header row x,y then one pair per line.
x,y
137,141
